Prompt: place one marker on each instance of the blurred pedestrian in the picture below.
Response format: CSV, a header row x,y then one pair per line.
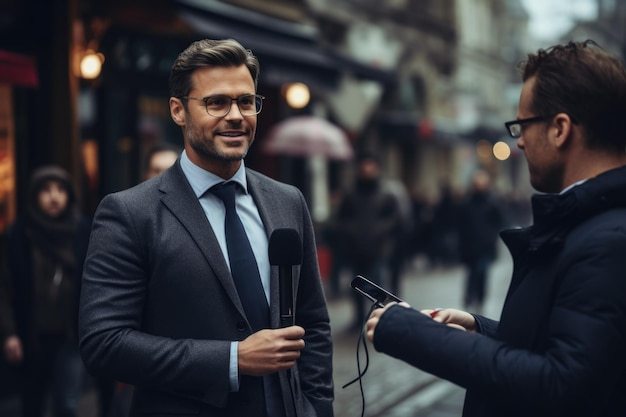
x,y
480,221
401,251
443,230
368,218
45,252
160,158
178,296
558,349
422,210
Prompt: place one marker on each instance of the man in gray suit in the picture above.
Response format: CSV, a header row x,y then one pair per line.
x,y
159,307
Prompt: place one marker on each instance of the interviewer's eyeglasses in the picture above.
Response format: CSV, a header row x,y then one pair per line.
x,y
515,126
219,105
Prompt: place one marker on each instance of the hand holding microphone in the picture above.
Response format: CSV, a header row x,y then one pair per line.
x,y
271,350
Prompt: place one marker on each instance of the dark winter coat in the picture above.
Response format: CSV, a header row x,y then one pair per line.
x,y
21,280
558,349
368,221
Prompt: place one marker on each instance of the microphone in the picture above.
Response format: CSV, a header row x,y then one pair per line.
x,y
285,250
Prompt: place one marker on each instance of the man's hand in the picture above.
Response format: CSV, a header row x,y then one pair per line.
x,y
13,350
454,318
372,322
270,350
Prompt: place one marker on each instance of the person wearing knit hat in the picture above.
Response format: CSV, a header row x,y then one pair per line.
x,y
46,249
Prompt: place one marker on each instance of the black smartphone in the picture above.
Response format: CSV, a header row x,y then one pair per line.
x,y
373,292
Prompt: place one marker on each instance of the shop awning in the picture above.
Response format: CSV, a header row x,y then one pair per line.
x,y
17,69
288,52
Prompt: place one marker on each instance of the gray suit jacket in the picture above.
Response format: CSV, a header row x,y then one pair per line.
x,y
159,308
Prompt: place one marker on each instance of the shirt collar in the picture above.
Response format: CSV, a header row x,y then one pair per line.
x,y
201,180
569,187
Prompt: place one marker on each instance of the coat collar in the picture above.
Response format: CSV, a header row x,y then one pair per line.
x,y
555,215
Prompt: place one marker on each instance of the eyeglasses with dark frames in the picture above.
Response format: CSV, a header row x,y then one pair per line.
x,y
515,126
219,105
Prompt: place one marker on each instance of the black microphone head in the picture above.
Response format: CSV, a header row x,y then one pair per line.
x,y
285,247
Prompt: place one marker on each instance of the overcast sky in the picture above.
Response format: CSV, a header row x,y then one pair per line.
x,y
551,18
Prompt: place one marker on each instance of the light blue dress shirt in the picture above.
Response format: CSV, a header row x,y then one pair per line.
x,y
201,181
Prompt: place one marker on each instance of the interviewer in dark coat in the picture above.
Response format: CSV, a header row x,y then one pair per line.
x,y
159,308
558,349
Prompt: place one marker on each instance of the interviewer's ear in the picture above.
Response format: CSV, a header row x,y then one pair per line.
x,y
562,127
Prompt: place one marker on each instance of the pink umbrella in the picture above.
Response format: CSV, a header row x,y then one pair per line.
x,y
308,136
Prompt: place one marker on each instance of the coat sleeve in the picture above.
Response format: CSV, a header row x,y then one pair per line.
x,y
114,293
486,326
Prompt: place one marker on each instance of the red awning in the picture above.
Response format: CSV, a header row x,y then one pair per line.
x,y
17,69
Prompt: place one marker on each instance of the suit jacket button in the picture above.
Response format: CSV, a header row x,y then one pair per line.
x,y
241,326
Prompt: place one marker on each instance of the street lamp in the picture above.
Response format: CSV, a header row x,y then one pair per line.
x,y
297,95
91,64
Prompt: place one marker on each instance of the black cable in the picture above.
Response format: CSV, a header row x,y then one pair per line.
x,y
362,340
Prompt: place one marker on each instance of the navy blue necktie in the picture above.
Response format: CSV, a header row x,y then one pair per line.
x,y
245,272
243,266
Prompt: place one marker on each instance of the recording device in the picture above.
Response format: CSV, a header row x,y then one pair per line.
x,y
285,250
373,292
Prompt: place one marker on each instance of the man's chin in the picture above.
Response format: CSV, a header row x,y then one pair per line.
x,y
233,156
234,153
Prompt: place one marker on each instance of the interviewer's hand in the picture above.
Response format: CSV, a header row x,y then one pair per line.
x,y
454,318
372,322
270,350
13,350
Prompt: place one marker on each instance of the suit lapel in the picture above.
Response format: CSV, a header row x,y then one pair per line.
x,y
181,201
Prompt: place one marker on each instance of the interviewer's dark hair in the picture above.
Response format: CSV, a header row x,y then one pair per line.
x,y
209,53
584,81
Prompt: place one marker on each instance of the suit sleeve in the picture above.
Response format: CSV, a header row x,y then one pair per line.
x,y
114,291
315,363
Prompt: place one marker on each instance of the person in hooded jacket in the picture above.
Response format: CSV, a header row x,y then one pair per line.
x,y
558,348
46,249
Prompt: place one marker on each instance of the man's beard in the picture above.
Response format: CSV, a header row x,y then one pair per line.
x,y
207,149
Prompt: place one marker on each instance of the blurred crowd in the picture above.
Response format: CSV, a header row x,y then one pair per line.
x,y
379,228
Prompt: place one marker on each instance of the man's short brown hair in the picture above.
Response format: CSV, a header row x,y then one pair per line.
x,y
209,53
587,83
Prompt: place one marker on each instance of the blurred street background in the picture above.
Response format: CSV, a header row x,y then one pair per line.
x,y
428,84
424,84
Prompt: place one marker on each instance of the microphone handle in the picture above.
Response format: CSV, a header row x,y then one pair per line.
x,y
285,279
